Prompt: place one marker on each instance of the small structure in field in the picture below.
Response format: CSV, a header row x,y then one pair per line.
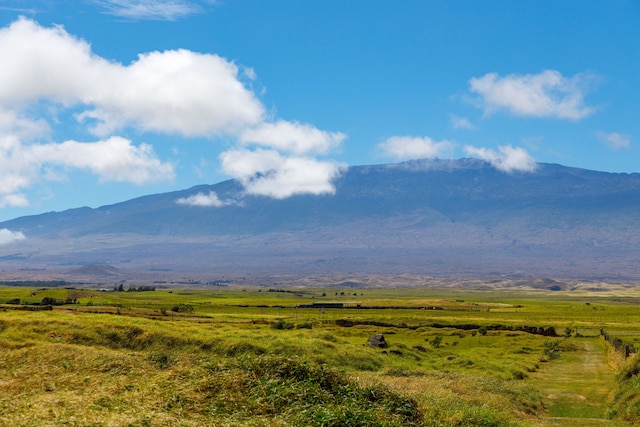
x,y
328,304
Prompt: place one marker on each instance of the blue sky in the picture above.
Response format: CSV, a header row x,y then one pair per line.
x,y
105,100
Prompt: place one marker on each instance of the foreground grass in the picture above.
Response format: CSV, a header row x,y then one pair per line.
x,y
65,368
248,358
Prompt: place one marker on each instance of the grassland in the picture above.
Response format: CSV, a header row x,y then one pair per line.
x,y
235,357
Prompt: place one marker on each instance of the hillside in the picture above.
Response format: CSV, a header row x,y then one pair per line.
x,y
433,217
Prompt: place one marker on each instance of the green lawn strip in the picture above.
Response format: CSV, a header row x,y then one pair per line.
x,y
578,384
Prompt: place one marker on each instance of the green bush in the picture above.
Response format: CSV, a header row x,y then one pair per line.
x,y
282,324
182,308
551,349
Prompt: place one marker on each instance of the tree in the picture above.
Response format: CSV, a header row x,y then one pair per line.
x,y
48,301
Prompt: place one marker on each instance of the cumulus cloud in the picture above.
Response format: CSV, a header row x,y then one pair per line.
x,y
7,236
460,122
176,91
547,94
508,159
268,173
206,200
615,141
284,168
293,137
411,147
113,159
161,10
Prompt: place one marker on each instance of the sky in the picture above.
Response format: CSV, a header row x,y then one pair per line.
x,y
102,101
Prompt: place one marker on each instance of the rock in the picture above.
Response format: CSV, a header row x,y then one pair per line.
x,y
378,341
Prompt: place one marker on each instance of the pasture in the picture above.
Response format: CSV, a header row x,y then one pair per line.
x,y
252,356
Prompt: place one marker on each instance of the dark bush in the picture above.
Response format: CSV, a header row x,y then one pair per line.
x,y
182,308
282,324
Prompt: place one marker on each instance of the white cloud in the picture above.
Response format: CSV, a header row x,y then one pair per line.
x,y
205,200
113,159
615,141
411,147
508,159
163,10
293,137
14,200
49,75
48,71
268,173
7,236
175,91
460,122
547,94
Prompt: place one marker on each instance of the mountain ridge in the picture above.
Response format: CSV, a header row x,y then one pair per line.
x,y
440,217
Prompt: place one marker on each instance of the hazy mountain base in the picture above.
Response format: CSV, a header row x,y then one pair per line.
x,y
109,276
295,255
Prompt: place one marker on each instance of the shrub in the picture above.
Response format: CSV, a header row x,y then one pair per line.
x,y
282,324
437,341
182,308
551,349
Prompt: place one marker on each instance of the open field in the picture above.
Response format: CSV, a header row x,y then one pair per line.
x,y
251,356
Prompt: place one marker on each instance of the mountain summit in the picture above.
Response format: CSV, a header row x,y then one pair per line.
x,y
433,217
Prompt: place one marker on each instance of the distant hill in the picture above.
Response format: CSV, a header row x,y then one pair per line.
x,y
430,217
100,271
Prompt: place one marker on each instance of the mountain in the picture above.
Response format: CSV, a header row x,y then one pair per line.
x,y
428,217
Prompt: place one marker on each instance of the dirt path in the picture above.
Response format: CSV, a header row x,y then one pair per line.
x,y
577,386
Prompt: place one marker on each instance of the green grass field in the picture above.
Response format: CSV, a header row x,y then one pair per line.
x,y
236,357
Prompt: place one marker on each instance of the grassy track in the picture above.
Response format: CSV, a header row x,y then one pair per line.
x,y
577,387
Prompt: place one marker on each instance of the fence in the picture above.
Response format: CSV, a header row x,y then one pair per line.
x,y
619,345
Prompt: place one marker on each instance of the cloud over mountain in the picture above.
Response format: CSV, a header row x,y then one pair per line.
x,y
268,173
412,147
7,236
508,159
210,199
